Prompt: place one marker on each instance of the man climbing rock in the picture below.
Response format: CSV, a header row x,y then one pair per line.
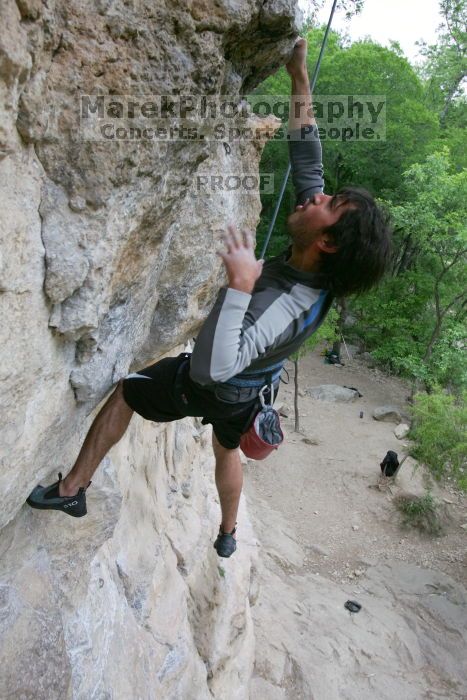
x,y
340,245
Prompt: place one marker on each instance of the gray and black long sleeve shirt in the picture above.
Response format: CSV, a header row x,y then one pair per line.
x,y
248,334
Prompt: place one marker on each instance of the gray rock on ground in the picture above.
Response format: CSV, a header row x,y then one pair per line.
x,y
389,414
367,357
332,392
401,431
353,350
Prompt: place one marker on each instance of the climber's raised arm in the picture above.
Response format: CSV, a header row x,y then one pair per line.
x,y
303,138
301,105
222,350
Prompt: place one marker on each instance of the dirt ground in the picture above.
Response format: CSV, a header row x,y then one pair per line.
x,y
326,533
328,490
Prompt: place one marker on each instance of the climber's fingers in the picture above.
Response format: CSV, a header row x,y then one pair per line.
x,y
234,240
248,240
235,237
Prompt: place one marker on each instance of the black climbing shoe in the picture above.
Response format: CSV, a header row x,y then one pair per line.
x,y
47,497
225,545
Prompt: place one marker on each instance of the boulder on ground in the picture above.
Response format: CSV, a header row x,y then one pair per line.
x,y
367,357
332,392
283,410
349,321
390,414
401,430
351,349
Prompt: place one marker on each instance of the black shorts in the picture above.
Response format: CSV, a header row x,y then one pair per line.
x,y
165,392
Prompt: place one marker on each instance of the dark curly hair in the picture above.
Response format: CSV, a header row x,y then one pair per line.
x,y
363,239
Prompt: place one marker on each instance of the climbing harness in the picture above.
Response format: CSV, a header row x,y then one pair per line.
x,y
286,176
246,385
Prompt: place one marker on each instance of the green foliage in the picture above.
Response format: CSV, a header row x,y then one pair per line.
x,y
448,362
445,64
421,512
365,68
350,7
444,70
440,435
415,323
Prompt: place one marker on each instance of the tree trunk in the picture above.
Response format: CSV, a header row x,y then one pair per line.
x,y
449,98
408,257
297,415
434,337
399,265
342,306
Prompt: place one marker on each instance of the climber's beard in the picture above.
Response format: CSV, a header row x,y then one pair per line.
x,y
299,230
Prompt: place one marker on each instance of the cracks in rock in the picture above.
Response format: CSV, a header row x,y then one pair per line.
x,y
42,241
58,47
209,25
181,564
16,292
135,597
293,680
42,60
191,606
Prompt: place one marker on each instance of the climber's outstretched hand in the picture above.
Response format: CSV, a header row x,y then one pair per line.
x,y
239,259
296,65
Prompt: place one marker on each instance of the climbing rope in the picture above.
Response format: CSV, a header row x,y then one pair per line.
x,y
286,176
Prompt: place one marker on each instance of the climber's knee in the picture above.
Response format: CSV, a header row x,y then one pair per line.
x,y
224,455
118,396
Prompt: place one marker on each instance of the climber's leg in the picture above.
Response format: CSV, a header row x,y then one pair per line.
x,y
229,481
106,430
69,495
149,392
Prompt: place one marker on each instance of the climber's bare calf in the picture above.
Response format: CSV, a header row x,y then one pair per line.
x,y
229,482
106,430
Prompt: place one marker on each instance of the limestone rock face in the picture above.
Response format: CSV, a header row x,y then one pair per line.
x,y
108,262
131,600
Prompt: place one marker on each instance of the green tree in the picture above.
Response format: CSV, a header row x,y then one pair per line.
x,y
365,68
350,7
439,434
445,64
426,294
444,71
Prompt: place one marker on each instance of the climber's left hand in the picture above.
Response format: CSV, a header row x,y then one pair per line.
x,y
239,259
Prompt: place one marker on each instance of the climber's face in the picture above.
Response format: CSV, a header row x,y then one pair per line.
x,y
310,219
